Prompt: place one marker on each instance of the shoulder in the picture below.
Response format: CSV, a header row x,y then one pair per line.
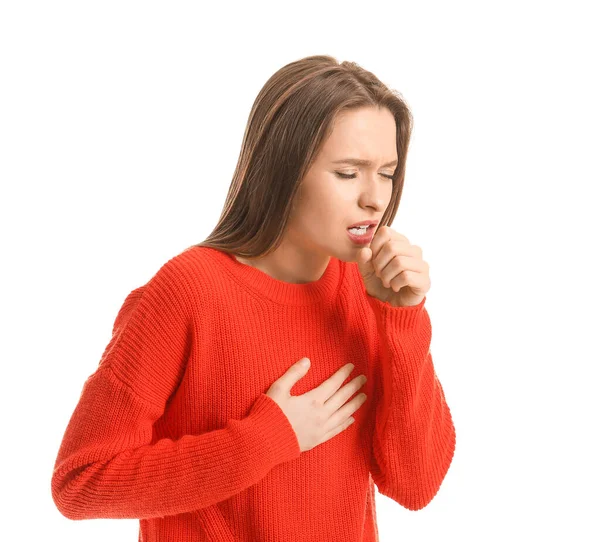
x,y
192,260
171,293
185,276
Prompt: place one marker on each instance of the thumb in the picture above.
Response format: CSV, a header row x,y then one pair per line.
x,y
294,373
365,266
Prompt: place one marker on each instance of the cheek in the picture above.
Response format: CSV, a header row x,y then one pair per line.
x,y
315,220
322,209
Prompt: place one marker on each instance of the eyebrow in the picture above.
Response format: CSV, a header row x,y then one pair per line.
x,y
359,162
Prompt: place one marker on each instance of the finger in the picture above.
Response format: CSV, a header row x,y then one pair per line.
x,y
340,397
329,386
395,249
292,375
382,236
343,413
397,267
399,281
336,430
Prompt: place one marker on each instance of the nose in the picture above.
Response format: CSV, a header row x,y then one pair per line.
x,y
376,194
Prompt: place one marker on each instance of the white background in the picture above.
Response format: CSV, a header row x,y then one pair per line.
x,y
120,126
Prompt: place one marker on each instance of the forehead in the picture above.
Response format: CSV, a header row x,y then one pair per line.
x,y
366,133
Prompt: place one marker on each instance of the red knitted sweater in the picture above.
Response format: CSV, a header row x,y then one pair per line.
x,y
174,426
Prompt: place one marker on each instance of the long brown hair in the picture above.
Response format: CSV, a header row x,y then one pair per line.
x,y
290,119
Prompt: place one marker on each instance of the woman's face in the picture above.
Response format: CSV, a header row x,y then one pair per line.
x,y
327,204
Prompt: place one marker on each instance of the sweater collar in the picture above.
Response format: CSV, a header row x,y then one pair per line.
x,y
286,293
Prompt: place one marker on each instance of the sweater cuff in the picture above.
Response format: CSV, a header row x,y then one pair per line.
x,y
276,429
403,318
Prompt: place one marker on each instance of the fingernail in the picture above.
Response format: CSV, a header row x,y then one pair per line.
x,y
305,362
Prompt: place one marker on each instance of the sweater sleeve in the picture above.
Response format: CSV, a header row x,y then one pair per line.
x,y
107,465
414,436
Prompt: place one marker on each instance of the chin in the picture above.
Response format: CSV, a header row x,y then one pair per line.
x,y
350,255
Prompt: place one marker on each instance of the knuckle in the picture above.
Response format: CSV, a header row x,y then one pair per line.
x,y
276,387
315,403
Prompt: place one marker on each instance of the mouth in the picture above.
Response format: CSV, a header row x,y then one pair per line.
x,y
372,222
361,236
362,229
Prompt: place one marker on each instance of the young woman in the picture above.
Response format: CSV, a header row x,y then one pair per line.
x,y
201,419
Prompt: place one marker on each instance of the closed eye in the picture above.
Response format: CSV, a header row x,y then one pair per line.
x,y
353,176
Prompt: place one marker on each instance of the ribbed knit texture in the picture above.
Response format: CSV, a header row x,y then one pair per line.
x,y
174,427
